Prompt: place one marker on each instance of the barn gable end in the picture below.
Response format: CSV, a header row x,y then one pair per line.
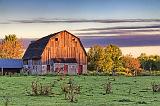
x,y
62,45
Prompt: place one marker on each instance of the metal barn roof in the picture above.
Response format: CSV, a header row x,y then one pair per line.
x,y
37,47
11,63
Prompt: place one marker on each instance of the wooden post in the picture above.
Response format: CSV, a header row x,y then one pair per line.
x,y
2,70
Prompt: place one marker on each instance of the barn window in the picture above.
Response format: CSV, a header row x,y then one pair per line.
x,y
73,39
35,62
56,39
25,62
76,43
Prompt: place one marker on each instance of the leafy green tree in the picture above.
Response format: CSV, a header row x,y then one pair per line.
x,y
143,60
150,63
93,57
115,54
11,47
105,59
105,63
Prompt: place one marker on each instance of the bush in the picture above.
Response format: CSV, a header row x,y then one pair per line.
x,y
155,87
95,73
149,73
108,88
125,100
40,89
70,90
141,102
121,73
6,100
144,73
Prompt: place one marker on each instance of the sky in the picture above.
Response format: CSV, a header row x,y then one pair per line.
x,y
38,18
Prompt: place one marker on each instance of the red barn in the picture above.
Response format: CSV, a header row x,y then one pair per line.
x,y
61,52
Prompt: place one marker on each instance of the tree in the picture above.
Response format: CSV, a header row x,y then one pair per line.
x,y
104,59
105,63
143,60
157,62
98,60
11,47
115,54
93,56
150,63
131,64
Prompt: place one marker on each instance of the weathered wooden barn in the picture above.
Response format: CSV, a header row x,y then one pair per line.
x,y
10,66
61,52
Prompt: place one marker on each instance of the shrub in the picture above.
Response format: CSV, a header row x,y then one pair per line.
x,y
144,73
70,90
108,88
141,102
40,89
155,87
125,100
6,100
129,91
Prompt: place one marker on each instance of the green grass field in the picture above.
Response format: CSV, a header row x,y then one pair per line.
x,y
92,91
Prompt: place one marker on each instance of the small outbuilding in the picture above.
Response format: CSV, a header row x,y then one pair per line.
x,y
10,66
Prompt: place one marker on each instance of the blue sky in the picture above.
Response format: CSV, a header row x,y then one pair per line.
x,y
36,18
80,8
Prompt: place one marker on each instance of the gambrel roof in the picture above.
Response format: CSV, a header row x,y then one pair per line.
x,y
36,48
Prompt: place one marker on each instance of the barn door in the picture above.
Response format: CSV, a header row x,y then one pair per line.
x,y
48,68
80,69
65,69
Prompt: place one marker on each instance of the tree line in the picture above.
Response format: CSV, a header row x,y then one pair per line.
x,y
110,60
150,63
107,59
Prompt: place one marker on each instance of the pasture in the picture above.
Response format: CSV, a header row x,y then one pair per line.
x,y
126,91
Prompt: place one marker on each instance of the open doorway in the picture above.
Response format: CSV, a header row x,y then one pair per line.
x,y
80,69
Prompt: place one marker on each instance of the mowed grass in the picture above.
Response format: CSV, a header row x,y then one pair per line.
x,y
92,91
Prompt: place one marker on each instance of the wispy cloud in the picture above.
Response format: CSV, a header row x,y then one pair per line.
x,y
5,22
118,32
120,27
84,20
59,20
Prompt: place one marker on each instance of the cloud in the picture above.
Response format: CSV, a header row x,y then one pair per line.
x,y
122,41
5,23
120,27
119,32
59,20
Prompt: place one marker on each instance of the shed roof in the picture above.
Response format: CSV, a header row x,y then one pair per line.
x,y
11,63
